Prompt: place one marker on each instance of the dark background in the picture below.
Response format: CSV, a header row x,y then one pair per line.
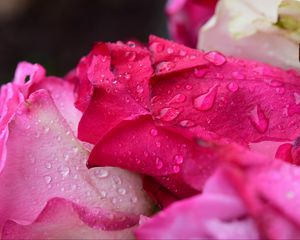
x,y
56,33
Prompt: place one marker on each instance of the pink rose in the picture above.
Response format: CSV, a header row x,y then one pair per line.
x,y
185,17
144,108
46,191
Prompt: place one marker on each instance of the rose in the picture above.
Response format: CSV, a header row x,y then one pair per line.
x,y
166,111
143,108
247,29
46,190
265,32
185,18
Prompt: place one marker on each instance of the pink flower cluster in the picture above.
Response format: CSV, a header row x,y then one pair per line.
x,y
209,140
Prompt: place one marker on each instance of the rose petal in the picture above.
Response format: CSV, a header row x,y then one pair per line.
x,y
121,95
44,160
169,57
171,158
232,98
62,93
61,219
213,214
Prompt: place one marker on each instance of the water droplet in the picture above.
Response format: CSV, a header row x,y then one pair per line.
x,y
158,144
73,187
186,123
122,191
63,170
48,165
158,163
215,58
178,159
75,149
192,57
101,173
168,114
153,132
117,180
157,47
238,75
233,87
103,194
66,157
127,76
297,98
68,133
47,179
170,50
176,169
130,55
114,200
164,67
259,120
134,199
146,154
182,53
139,89
188,87
47,129
280,90
200,73
206,101
58,138
179,98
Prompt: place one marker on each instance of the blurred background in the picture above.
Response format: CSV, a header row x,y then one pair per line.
x,y
56,33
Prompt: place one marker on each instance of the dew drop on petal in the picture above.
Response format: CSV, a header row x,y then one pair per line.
x,y
122,191
139,89
101,173
170,50
200,73
157,47
47,179
153,132
134,199
238,75
178,159
176,169
259,120
63,170
164,67
206,101
297,98
215,58
233,87
182,53
48,165
168,114
179,98
158,163
130,55
187,123
188,87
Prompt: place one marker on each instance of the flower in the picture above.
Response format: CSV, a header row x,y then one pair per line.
x,y
185,17
46,191
145,106
266,32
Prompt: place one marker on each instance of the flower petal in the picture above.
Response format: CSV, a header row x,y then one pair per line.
x,y
61,219
119,95
169,157
232,98
44,160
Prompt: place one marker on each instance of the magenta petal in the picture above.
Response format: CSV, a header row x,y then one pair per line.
x,y
175,161
168,57
215,214
44,160
61,219
232,98
121,95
